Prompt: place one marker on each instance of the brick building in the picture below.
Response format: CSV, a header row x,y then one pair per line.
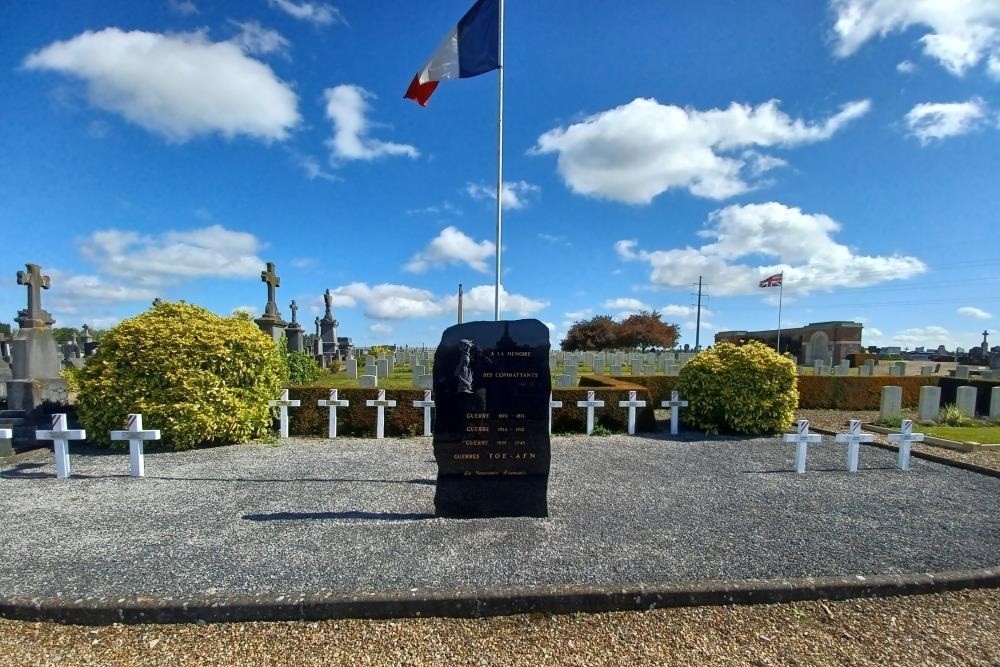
x,y
829,341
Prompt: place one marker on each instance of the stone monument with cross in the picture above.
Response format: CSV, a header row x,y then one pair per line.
x,y
328,330
293,332
35,356
270,322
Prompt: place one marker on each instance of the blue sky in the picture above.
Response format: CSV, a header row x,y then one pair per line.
x,y
169,149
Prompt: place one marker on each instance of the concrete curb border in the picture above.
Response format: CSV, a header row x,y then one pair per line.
x,y
475,603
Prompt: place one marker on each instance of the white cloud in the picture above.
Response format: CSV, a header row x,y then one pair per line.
x,y
444,208
397,302
516,194
317,13
906,67
150,259
800,243
452,246
183,7
179,86
303,262
975,313
962,33
380,328
931,121
626,303
346,106
255,39
312,167
555,239
634,152
685,312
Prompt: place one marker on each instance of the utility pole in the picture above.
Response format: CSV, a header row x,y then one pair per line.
x,y
697,328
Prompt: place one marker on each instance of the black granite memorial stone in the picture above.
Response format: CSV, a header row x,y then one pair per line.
x,y
491,431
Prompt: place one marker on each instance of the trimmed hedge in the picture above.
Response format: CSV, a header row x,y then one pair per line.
x,y
405,420
857,393
659,386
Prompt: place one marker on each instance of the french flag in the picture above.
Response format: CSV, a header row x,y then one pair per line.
x,y
470,49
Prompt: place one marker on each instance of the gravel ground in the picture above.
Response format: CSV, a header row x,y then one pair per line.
x,y
312,516
948,629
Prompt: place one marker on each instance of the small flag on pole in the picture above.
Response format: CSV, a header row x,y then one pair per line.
x,y
772,281
470,49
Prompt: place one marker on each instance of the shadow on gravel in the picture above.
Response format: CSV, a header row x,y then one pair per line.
x,y
791,471
347,480
354,516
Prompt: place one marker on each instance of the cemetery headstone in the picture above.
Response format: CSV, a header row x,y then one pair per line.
x,y
892,402
590,404
632,404
293,332
426,404
564,381
283,403
995,404
372,369
5,437
270,322
492,385
926,370
60,437
898,369
380,403
368,381
352,368
35,362
854,437
328,328
965,400
382,367
425,381
332,403
930,403
136,436
962,372
802,439
904,438
675,404
552,404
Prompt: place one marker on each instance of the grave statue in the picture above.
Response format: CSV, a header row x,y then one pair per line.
x,y
36,362
270,322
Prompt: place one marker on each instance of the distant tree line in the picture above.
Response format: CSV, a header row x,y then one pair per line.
x,y
641,331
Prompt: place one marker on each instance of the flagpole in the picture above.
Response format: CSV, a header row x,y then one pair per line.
x,y
781,287
496,293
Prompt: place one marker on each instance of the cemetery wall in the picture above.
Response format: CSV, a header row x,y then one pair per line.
x,y
857,393
984,388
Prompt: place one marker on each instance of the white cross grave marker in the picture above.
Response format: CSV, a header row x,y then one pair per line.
x,y
675,405
552,404
381,403
590,404
135,435
283,404
802,438
60,438
333,403
426,404
631,404
904,438
854,437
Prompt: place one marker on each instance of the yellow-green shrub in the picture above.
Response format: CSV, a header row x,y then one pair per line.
x,y
201,379
748,389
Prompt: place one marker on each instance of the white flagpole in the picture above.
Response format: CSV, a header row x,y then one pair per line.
x,y
781,287
496,302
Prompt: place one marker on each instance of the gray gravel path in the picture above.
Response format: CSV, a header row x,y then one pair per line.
x,y
352,515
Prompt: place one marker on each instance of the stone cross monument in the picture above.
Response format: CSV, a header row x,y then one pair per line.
x,y
33,316
35,355
328,328
294,333
270,322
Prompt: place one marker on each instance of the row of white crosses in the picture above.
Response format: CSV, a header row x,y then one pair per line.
x,y
853,439
592,403
334,402
61,436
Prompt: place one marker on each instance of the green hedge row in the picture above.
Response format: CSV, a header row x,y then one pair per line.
x,y
404,420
